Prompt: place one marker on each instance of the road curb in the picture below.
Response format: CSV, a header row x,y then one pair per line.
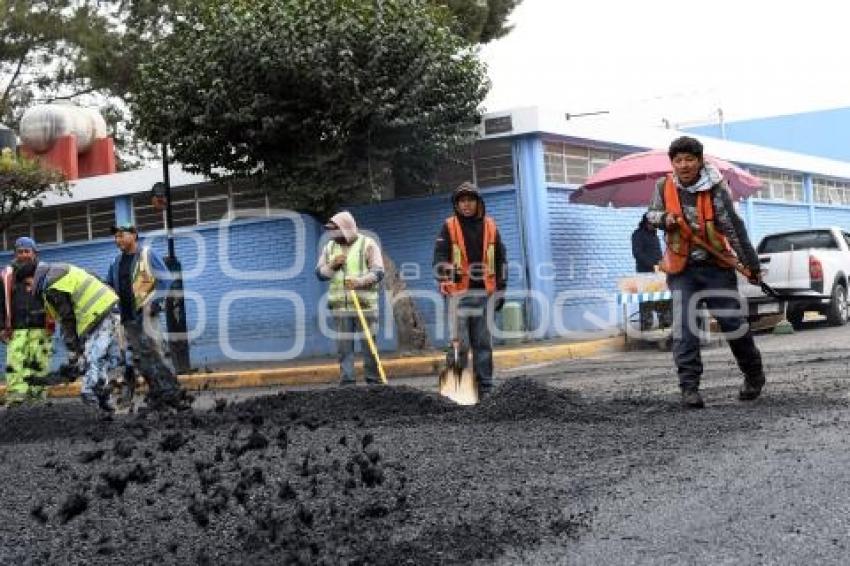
x,y
430,364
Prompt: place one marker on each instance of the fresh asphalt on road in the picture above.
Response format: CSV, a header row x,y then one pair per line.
x,y
587,462
776,489
736,483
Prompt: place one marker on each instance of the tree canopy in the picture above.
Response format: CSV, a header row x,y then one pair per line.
x,y
23,185
328,98
88,51
479,21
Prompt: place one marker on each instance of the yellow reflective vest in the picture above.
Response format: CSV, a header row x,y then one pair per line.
x,y
354,266
92,299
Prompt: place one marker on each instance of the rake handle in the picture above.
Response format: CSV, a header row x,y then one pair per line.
x,y
365,326
724,259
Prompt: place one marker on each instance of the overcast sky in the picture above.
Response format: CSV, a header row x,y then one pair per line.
x,y
646,60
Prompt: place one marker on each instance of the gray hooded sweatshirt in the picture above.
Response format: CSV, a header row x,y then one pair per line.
x,y
346,224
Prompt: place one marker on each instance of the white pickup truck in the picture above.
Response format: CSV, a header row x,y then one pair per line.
x,y
809,269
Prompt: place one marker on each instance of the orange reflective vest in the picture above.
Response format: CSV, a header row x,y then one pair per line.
x,y
678,241
460,261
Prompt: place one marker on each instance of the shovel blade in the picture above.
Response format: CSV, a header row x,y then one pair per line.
x,y
459,386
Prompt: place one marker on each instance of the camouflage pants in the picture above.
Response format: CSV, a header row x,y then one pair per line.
x,y
101,355
27,355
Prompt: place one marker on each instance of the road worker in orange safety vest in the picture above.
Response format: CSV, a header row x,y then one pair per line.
x,y
695,200
470,265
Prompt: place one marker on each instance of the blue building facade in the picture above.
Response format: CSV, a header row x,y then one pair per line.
x,y
252,293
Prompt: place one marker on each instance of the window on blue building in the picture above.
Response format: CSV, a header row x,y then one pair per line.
x,y
146,217
21,227
829,191
213,203
74,222
493,163
780,185
573,164
45,225
245,197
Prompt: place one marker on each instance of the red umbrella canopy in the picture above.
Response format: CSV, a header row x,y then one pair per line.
x,y
630,180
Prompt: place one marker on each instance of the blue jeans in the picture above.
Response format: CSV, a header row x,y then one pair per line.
x,y
348,330
473,332
706,279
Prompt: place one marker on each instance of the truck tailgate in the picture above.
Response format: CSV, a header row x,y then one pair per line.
x,y
786,271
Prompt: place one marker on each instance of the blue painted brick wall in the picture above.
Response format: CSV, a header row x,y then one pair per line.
x,y
260,325
591,250
266,326
832,216
407,229
775,217
590,246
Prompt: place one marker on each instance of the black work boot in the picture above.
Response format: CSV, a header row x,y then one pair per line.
x,y
691,398
751,388
98,397
484,390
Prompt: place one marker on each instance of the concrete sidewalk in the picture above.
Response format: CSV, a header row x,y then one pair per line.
x,y
505,357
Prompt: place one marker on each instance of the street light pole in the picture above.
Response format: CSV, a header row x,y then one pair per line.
x,y
175,305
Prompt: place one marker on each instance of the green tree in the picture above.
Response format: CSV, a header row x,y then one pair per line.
x,y
44,49
23,185
329,99
479,21
88,51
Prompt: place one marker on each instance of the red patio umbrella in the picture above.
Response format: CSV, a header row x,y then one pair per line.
x,y
630,180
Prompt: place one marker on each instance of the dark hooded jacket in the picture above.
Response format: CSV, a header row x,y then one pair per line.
x,y
27,308
473,237
646,248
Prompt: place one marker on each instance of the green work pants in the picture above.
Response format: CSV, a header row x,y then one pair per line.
x,y
27,355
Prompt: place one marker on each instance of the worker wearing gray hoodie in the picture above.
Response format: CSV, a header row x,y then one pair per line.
x,y
351,260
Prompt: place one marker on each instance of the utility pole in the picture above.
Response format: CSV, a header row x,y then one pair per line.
x,y
175,305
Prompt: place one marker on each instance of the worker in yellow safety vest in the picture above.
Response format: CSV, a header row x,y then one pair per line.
x,y
351,261
83,307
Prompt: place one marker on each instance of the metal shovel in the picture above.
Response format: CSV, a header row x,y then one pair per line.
x,y
457,381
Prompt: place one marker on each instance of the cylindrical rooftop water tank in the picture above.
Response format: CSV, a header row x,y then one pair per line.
x,y
7,138
42,125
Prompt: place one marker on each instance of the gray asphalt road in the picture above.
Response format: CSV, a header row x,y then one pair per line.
x,y
603,466
771,485
774,490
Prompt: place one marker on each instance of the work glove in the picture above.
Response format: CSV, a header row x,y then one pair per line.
x,y
755,276
355,283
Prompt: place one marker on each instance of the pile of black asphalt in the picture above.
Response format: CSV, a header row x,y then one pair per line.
x,y
377,475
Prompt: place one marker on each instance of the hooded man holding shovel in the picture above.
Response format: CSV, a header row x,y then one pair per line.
x,y
469,263
694,203
351,261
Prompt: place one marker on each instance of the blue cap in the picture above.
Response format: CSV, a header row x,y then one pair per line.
x,y
26,243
